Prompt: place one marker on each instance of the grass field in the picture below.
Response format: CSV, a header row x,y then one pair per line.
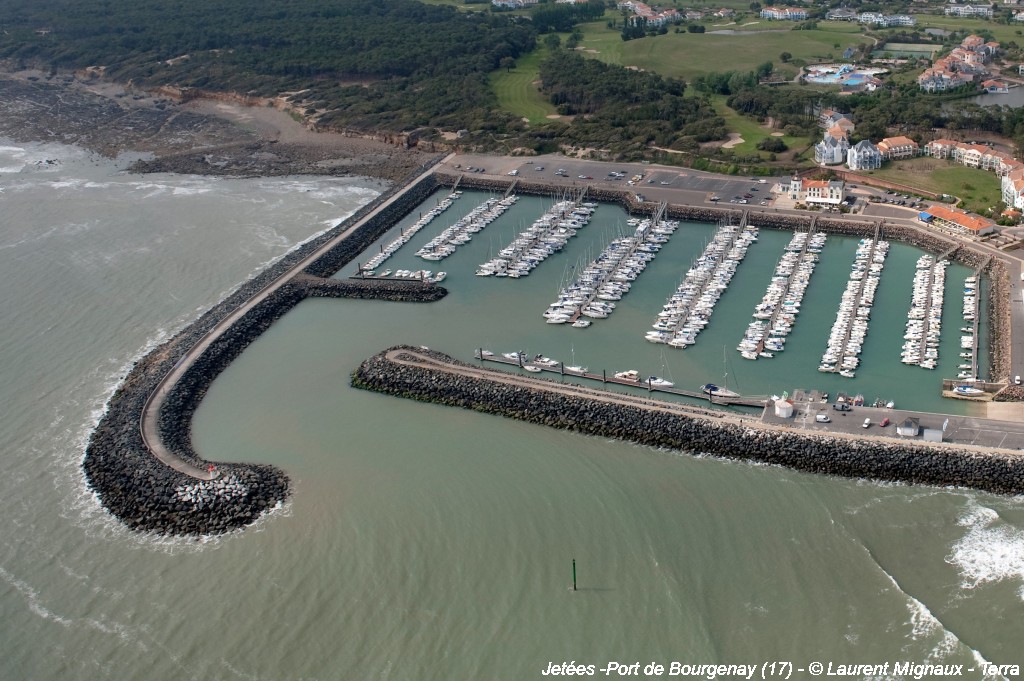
x,y
1002,32
686,55
979,189
517,90
751,131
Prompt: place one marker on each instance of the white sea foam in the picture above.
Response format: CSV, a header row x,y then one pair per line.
x,y
991,551
925,626
191,191
31,597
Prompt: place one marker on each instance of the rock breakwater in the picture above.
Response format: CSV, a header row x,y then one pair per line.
x,y
854,458
146,494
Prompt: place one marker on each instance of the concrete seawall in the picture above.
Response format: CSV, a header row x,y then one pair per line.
x,y
148,495
403,373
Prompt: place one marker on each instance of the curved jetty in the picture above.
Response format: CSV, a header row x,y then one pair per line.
x,y
140,461
431,376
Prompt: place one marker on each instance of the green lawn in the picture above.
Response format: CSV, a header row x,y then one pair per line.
x,y
751,131
686,55
1003,32
517,90
979,189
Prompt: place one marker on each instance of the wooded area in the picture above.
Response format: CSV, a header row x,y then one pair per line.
x,y
390,64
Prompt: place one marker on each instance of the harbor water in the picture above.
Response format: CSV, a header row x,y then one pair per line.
x,y
425,542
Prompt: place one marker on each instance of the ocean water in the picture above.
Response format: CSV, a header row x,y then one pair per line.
x,y
426,542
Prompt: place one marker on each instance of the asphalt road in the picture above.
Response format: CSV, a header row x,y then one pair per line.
x,y
962,430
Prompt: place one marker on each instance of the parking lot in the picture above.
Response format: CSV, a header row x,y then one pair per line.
x,y
657,183
966,430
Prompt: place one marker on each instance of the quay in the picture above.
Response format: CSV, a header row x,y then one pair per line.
x,y
603,377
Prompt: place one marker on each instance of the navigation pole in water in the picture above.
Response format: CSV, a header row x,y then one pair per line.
x,y
573,574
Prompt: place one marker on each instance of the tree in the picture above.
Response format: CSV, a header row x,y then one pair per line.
x,y
552,41
785,57
772,144
507,63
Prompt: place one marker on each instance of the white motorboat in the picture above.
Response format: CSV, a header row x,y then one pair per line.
x,y
660,382
630,375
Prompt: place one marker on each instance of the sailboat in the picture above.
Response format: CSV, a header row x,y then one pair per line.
x,y
574,368
656,382
720,391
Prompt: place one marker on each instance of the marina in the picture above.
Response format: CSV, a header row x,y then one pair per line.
x,y
734,308
776,314
846,340
445,243
446,490
969,339
924,319
689,309
611,275
546,236
406,234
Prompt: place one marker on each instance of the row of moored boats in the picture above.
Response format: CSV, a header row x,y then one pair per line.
x,y
967,340
462,231
846,340
609,276
775,315
406,234
546,236
924,319
689,309
539,363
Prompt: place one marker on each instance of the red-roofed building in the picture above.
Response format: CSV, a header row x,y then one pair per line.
x,y
820,192
960,220
897,147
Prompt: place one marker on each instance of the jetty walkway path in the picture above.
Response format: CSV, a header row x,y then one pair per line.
x,y
979,434
149,421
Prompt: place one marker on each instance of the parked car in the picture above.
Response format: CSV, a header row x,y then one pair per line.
x,y
867,423
884,423
1016,380
822,418
841,406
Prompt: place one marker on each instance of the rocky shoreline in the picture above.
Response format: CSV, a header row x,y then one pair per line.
x,y
183,137
865,458
147,495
